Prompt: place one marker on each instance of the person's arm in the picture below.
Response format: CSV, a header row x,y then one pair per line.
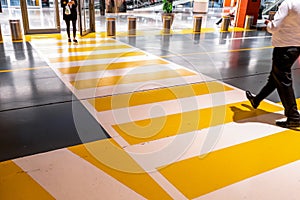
x,y
73,4
274,25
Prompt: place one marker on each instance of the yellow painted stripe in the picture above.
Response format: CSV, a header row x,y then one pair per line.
x,y
132,78
95,56
17,184
113,160
84,49
23,69
137,132
200,175
110,66
157,95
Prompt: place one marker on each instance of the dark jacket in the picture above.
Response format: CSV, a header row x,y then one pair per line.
x,y
73,15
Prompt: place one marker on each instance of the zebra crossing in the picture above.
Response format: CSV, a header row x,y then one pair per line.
x,y
175,134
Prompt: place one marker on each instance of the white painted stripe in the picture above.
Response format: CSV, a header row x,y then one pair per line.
x,y
54,41
159,109
158,153
137,86
67,176
89,53
101,61
121,72
167,186
45,49
277,184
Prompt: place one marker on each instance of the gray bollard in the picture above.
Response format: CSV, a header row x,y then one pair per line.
x,y
131,25
15,28
225,23
111,26
248,22
197,24
167,24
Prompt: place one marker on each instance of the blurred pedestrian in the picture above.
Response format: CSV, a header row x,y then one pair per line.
x,y
70,15
231,14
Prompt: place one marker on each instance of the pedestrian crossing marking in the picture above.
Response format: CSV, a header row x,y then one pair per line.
x,y
110,66
131,78
157,95
146,130
106,154
17,184
200,175
96,56
91,49
85,42
112,159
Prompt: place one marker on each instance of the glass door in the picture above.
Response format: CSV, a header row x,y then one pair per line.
x,y
40,16
86,17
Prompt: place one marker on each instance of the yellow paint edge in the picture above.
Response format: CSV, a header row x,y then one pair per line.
x,y
113,160
197,176
156,95
17,184
146,130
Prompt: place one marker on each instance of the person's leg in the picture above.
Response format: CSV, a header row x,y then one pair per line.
x,y
68,29
265,91
284,58
220,20
74,30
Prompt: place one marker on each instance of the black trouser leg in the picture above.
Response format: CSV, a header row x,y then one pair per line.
x,y
283,60
74,28
68,27
266,90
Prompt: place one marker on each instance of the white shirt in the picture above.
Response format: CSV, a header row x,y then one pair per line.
x,y
285,27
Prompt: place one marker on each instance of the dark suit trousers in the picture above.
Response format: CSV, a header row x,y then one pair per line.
x,y
280,78
73,26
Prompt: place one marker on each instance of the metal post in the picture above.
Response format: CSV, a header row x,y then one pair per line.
x,y
197,24
167,24
1,39
131,25
15,28
225,23
248,22
111,26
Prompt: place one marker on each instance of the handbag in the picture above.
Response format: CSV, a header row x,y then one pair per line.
x,y
67,10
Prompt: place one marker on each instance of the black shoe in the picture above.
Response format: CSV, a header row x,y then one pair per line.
x,y
288,124
250,97
75,41
69,40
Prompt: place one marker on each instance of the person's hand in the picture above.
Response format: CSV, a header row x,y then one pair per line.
x,y
267,21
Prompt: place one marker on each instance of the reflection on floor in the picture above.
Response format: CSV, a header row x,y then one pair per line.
x,y
147,117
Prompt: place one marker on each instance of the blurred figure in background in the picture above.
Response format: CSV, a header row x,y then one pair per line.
x,y
231,14
70,15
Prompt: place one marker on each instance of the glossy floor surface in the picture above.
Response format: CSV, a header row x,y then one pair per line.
x,y
151,116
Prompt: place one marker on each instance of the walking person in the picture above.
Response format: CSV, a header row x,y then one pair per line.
x,y
285,29
70,15
231,14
